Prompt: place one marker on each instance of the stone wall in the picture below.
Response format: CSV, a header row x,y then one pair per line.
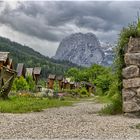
x,y
131,78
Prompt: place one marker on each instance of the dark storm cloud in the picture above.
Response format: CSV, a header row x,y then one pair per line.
x,y
27,24
50,20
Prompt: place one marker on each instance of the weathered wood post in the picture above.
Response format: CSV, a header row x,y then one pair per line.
x,y
131,78
7,74
20,70
60,81
36,73
51,79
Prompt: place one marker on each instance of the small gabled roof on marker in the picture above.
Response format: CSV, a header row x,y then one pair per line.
x,y
87,83
59,78
29,71
51,76
37,71
20,68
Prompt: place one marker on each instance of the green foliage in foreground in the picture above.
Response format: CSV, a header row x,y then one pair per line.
x,y
17,104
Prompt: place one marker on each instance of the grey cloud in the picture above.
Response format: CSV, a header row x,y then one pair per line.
x,y
48,20
28,25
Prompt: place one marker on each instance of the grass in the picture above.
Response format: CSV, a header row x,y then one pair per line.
x,y
102,99
112,107
17,104
137,126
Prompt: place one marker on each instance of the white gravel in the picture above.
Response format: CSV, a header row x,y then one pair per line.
x,y
80,121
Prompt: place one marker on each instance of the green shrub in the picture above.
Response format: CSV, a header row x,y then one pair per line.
x,y
56,86
84,92
42,83
103,82
20,84
138,26
74,92
30,82
73,73
113,88
79,92
99,92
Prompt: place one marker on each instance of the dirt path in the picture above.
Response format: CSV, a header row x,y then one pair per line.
x,y
80,121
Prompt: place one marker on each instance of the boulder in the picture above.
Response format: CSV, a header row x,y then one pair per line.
x,y
132,59
131,83
133,45
128,94
130,107
130,71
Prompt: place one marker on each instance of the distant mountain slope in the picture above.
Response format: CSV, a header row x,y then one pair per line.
x,y
83,49
31,58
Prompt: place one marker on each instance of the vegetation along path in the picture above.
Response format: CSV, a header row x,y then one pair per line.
x,y
80,121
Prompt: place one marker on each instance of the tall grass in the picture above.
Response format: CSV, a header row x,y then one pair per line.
x,y
113,108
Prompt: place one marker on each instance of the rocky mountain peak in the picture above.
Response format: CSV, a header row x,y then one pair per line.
x,y
82,49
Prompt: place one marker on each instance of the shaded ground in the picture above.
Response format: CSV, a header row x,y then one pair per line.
x,y
80,121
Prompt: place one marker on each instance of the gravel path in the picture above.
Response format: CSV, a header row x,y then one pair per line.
x,y
79,121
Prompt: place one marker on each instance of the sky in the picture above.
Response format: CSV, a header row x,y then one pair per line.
x,y
43,24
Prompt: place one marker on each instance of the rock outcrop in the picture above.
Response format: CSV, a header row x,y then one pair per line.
x,y
81,49
131,75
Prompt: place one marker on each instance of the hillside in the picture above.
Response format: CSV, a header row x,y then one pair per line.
x,y
31,58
